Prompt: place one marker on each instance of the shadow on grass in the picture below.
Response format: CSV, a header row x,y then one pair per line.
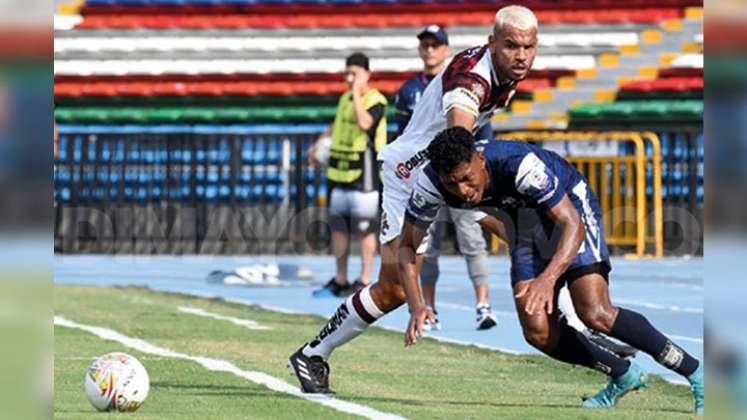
x,y
247,391
529,406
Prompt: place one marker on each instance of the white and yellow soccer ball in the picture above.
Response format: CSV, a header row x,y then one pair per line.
x,y
117,382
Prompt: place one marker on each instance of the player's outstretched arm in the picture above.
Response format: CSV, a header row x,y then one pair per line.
x,y
541,290
457,117
494,226
410,239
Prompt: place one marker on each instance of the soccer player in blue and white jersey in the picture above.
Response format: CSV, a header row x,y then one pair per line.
x,y
552,221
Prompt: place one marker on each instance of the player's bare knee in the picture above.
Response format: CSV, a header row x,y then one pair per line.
x,y
388,295
538,338
598,318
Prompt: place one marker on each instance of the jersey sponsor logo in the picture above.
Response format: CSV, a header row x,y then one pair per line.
x,y
384,223
471,52
478,89
403,170
532,176
672,356
418,200
512,203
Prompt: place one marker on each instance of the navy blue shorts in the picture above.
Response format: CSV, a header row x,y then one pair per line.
x,y
534,247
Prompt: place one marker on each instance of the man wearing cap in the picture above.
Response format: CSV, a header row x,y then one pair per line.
x,y
434,50
358,133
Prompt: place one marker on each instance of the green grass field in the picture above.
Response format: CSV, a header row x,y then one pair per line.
x,y
430,380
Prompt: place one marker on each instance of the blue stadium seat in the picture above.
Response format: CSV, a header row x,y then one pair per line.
x,y
62,143
148,156
133,155
77,149
119,154
107,147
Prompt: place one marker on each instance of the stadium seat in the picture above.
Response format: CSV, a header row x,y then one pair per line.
x,y
690,110
379,19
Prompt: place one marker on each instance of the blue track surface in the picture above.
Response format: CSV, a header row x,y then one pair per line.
x,y
669,292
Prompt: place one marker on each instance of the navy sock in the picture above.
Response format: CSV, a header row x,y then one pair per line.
x,y
573,347
634,329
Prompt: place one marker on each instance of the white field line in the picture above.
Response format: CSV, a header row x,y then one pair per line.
x,y
453,341
648,305
248,323
685,338
400,330
467,308
218,365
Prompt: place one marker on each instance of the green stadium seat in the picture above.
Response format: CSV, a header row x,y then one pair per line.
x,y
232,114
662,111
198,115
204,115
164,116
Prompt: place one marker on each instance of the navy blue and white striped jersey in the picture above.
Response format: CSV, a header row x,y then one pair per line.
x,y
521,175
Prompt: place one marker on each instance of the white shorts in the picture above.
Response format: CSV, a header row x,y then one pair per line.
x,y
354,204
397,188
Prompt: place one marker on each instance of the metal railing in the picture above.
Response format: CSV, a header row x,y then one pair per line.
x,y
248,189
619,174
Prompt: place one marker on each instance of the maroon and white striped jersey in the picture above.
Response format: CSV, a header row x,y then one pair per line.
x,y
469,83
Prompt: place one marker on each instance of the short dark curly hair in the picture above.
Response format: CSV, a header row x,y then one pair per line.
x,y
450,148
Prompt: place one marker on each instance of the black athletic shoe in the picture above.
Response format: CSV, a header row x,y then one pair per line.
x,y
352,288
312,372
622,350
331,289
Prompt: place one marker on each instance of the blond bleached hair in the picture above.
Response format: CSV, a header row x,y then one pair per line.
x,y
518,17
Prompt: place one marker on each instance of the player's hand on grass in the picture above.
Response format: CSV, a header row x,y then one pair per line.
x,y
415,326
539,294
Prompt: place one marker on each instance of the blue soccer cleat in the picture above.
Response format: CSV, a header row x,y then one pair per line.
x,y
635,378
698,388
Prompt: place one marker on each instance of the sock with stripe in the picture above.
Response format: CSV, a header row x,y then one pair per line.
x,y
351,318
575,348
634,329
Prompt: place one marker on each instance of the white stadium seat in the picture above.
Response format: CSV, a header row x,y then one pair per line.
x,y
122,67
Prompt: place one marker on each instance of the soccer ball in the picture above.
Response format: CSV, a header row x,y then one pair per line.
x,y
322,150
117,381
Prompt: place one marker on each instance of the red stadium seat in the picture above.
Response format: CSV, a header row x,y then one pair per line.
x,y
530,85
240,88
169,88
67,89
669,84
681,72
411,15
99,89
205,88
133,89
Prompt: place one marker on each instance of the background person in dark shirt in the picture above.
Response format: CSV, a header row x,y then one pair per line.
x,y
358,133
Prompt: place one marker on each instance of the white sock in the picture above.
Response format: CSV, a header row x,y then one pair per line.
x,y
565,304
349,321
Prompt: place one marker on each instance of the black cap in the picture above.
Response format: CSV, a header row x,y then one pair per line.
x,y
435,31
357,59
